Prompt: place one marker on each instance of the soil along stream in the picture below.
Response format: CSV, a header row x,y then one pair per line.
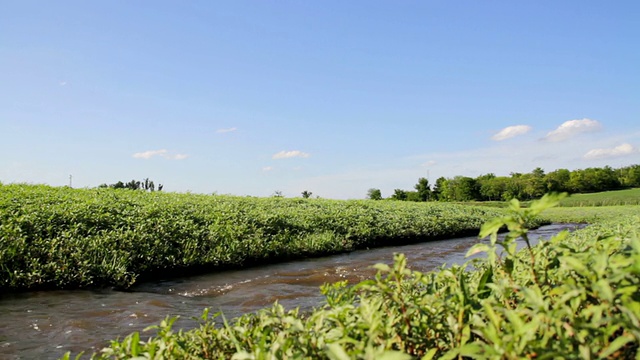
x,y
45,325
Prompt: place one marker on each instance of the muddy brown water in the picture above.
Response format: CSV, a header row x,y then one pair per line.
x,y
45,325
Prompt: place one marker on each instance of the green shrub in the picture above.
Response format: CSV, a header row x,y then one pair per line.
x,y
69,238
575,296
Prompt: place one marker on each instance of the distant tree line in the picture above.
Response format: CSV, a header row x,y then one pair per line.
x,y
145,185
490,187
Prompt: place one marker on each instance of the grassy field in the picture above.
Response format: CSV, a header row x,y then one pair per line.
x,y
572,297
69,238
590,215
606,198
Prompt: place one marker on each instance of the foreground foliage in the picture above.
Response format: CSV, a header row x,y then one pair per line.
x,y
575,296
68,238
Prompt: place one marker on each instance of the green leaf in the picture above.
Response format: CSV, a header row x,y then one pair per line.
x,y
471,350
491,227
336,352
493,317
575,264
546,202
487,278
514,319
393,355
616,345
242,355
604,290
135,343
514,205
508,265
478,248
450,355
430,354
382,267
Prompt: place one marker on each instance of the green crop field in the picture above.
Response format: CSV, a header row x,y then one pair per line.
x,y
592,214
574,296
606,198
70,238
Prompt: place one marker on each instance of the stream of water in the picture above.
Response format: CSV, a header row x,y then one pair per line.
x,y
45,325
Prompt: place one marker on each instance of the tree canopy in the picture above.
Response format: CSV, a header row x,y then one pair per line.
x,y
146,185
533,185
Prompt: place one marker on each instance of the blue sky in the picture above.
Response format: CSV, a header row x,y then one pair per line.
x,y
334,97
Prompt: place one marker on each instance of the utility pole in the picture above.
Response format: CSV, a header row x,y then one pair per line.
x,y
70,180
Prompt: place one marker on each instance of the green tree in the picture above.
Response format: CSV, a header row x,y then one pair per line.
x,y
132,185
514,188
557,181
538,172
399,194
148,185
492,188
423,189
462,188
607,179
374,194
306,194
533,184
413,196
577,181
118,185
629,176
439,189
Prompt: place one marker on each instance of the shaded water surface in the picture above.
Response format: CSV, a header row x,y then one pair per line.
x,y
45,325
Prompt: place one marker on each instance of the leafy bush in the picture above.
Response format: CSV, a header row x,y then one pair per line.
x,y
573,297
69,238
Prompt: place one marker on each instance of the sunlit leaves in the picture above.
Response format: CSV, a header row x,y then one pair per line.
x,y
69,238
586,305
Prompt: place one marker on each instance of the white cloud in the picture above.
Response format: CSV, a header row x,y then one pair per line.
x,y
222,131
429,163
149,154
267,168
290,154
162,153
500,158
571,128
511,131
62,83
177,156
621,150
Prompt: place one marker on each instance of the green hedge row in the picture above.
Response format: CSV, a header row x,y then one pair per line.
x,y
68,238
